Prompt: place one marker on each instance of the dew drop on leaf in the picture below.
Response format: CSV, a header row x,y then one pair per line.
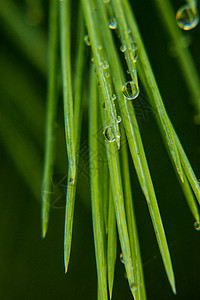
x,y
112,24
108,135
121,258
119,119
123,48
186,17
71,180
104,105
114,97
197,226
133,287
130,90
87,40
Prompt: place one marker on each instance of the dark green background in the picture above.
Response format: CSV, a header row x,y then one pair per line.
x,y
32,268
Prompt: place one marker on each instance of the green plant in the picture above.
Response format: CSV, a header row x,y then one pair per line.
x,y
94,79
114,87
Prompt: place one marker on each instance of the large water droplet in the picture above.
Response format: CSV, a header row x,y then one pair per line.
x,y
123,48
130,90
186,17
112,24
108,135
87,40
121,258
197,226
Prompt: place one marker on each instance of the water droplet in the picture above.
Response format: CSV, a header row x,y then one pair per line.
x,y
105,65
130,90
121,258
112,24
106,1
197,226
87,40
92,60
114,97
134,46
134,56
71,180
119,119
108,135
123,48
186,17
107,75
133,287
104,105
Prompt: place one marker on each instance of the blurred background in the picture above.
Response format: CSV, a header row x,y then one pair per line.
x,y
32,268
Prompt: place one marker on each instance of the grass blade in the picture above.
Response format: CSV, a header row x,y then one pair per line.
x,y
78,109
65,33
52,101
131,221
95,191
112,244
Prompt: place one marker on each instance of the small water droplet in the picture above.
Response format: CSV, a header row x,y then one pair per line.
x,y
108,135
92,60
112,24
130,90
105,65
71,180
133,287
107,75
134,46
134,56
104,105
121,258
197,226
119,119
123,48
186,17
87,40
114,97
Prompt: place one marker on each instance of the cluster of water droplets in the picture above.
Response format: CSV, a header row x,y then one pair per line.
x,y
130,89
187,17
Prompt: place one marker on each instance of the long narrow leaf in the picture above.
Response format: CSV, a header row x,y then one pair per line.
x,y
95,191
51,114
